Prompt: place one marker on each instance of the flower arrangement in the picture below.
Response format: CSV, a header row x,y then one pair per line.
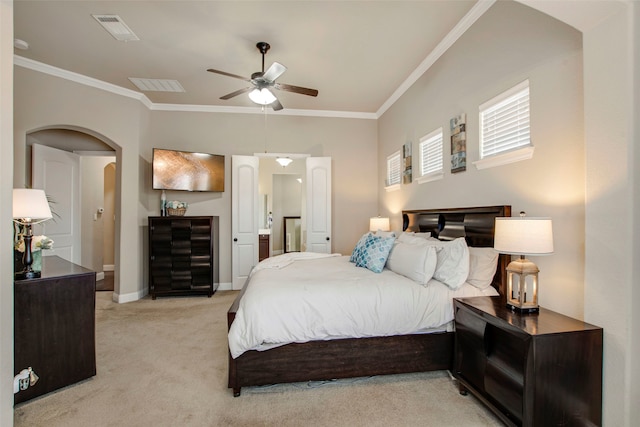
x,y
176,208
37,243
175,204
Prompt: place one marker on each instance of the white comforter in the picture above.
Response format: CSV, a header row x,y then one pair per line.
x,y
300,297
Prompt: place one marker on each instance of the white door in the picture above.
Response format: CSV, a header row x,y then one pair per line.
x,y
57,173
318,213
244,217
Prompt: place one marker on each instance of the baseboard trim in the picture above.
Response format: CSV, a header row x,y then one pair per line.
x,y
100,276
135,296
108,267
225,286
130,297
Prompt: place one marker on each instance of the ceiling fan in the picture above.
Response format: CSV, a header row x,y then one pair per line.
x,y
263,81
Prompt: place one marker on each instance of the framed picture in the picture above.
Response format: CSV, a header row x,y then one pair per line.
x,y
407,173
458,129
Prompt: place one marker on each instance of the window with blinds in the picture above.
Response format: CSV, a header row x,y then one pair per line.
x,y
394,166
504,122
431,153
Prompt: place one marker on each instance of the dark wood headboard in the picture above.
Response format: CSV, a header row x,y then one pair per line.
x,y
476,225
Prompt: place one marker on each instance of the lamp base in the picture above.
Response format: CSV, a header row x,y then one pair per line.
x,y
23,275
523,310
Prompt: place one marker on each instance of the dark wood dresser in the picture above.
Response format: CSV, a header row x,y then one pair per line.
x,y
183,255
541,369
54,326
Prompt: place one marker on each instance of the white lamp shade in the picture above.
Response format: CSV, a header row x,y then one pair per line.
x,y
524,236
30,205
262,96
379,223
284,161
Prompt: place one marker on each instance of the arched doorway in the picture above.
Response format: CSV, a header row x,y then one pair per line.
x,y
98,157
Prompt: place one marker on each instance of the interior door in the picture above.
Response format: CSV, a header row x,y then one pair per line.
x,y
244,217
318,214
57,173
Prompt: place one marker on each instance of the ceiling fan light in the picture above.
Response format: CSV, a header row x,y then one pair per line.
x,y
284,161
262,96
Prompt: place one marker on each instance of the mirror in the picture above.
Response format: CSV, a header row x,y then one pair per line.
x,y
292,233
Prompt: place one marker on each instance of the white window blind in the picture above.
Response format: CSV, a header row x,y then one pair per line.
x,y
504,121
394,172
431,153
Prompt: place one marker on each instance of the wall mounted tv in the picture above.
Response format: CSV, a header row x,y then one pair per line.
x,y
187,171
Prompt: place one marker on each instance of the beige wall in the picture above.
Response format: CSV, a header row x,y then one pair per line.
x,y
612,83
518,44
92,172
6,237
109,216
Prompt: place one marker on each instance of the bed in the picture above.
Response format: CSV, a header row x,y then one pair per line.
x,y
327,359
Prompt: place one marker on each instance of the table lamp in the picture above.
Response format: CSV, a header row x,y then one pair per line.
x,y
523,236
30,207
379,223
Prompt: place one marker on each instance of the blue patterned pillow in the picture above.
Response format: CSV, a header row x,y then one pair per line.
x,y
374,253
359,247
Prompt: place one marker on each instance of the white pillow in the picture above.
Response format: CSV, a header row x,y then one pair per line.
x,y
452,267
413,238
483,263
415,261
411,233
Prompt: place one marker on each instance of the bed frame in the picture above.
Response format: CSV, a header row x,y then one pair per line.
x,y
358,357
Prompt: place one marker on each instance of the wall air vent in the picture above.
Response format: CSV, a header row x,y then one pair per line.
x,y
157,85
116,27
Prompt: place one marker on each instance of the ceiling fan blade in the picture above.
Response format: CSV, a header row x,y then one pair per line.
x,y
274,71
236,93
296,89
276,105
224,73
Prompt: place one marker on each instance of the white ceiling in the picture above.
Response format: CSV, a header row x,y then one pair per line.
x,y
355,53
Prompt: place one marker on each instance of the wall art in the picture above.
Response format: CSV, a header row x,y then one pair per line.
x,y
458,143
407,173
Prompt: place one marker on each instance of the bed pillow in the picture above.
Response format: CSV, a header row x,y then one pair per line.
x,y
413,238
452,267
415,261
359,247
411,233
374,253
483,263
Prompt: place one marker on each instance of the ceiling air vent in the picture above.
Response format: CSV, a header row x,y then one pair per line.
x,y
157,85
116,27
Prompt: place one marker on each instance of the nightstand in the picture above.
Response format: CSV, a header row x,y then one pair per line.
x,y
538,369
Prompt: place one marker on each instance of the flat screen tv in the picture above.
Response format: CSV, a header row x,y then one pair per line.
x,y
187,171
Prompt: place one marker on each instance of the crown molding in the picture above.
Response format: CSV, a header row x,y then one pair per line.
x,y
258,110
78,78
118,90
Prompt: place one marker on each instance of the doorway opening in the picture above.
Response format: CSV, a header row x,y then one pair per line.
x,y
84,231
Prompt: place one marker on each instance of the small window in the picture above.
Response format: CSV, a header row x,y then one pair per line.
x,y
504,122
394,172
431,153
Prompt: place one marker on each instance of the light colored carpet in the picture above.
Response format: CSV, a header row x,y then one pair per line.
x,y
164,363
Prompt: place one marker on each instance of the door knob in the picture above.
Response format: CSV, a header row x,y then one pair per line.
x,y
328,239
235,239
